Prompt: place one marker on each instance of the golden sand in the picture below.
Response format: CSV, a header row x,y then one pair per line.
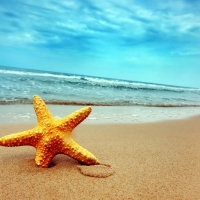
x,y
158,160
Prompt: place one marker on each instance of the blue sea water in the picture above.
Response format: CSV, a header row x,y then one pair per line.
x,y
20,85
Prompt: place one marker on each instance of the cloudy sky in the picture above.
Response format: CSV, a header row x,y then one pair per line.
x,y
149,41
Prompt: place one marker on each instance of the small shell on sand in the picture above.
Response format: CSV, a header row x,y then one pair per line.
x,y
99,171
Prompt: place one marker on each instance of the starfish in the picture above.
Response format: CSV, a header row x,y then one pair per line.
x,y
52,136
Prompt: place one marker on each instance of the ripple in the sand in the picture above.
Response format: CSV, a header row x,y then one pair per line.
x,y
99,171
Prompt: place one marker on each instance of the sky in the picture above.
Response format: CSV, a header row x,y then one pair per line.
x,y
149,41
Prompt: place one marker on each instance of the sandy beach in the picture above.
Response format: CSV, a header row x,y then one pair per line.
x,y
153,152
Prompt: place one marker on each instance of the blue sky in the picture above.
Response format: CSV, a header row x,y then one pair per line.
x,y
150,41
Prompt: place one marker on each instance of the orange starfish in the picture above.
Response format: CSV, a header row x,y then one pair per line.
x,y
52,136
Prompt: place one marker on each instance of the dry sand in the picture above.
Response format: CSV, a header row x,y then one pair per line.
x,y
159,160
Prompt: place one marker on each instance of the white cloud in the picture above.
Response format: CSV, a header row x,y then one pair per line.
x,y
104,21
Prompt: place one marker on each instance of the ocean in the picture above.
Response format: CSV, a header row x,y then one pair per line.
x,y
18,86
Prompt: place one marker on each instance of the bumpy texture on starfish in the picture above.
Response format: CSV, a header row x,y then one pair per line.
x,y
52,136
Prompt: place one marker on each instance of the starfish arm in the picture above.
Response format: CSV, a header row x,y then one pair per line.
x,y
80,154
41,109
28,137
71,121
46,149
43,156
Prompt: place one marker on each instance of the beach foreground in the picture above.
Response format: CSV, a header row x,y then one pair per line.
x,y
152,160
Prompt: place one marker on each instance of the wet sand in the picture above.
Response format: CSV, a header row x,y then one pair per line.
x,y
100,114
149,160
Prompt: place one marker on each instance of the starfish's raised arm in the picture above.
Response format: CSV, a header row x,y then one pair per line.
x,y
41,109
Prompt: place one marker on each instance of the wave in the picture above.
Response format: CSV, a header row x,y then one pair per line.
x,y
96,81
43,74
138,85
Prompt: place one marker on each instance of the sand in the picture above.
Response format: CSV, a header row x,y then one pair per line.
x,y
149,160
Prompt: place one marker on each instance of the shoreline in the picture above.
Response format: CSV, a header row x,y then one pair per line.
x,y
100,114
